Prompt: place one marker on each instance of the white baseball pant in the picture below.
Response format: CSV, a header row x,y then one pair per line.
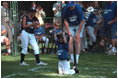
x,y
64,67
28,38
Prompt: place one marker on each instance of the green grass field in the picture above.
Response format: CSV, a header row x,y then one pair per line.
x,y
91,65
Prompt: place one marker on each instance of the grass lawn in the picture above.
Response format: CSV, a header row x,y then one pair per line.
x,y
91,65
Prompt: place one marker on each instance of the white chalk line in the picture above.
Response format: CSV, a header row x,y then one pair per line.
x,y
98,68
9,76
41,67
55,74
114,72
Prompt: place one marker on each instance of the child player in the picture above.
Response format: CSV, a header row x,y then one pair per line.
x,y
62,40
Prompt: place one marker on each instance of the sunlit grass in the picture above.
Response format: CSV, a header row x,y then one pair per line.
x,y
91,65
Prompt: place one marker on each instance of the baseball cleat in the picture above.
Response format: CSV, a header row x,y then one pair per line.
x,y
41,63
24,64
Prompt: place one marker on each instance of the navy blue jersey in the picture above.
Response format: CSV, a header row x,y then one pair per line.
x,y
30,21
92,20
62,50
110,12
74,17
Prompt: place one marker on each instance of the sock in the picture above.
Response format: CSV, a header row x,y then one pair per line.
x,y
113,49
72,57
37,58
110,45
77,58
9,50
22,57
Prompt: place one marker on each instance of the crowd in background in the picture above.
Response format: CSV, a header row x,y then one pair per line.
x,y
100,25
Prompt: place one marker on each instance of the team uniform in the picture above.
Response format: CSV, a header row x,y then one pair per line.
x,y
73,17
90,26
109,14
27,36
64,63
40,33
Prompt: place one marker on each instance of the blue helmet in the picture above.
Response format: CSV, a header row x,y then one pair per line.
x,y
66,35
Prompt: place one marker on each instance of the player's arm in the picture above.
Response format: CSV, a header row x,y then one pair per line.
x,y
81,18
65,40
112,21
67,27
80,26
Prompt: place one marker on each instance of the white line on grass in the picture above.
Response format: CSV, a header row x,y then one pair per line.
x,y
114,72
9,76
36,68
41,67
98,68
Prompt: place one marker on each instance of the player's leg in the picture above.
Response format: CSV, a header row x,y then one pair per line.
x,y
46,40
114,38
34,44
60,69
24,41
32,41
67,70
7,42
10,36
78,39
90,31
71,44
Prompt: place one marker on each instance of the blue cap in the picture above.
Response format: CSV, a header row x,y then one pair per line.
x,y
70,3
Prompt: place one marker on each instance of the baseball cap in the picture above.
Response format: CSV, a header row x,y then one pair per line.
x,y
70,3
32,10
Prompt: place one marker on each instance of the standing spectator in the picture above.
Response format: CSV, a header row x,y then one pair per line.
x,y
73,19
40,14
33,5
27,36
5,40
110,23
57,9
5,20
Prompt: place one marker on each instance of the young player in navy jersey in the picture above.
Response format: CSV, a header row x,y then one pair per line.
x,y
62,40
73,17
91,23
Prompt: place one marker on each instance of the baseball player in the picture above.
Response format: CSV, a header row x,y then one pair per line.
x,y
27,36
73,19
62,40
41,35
91,23
5,40
110,23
